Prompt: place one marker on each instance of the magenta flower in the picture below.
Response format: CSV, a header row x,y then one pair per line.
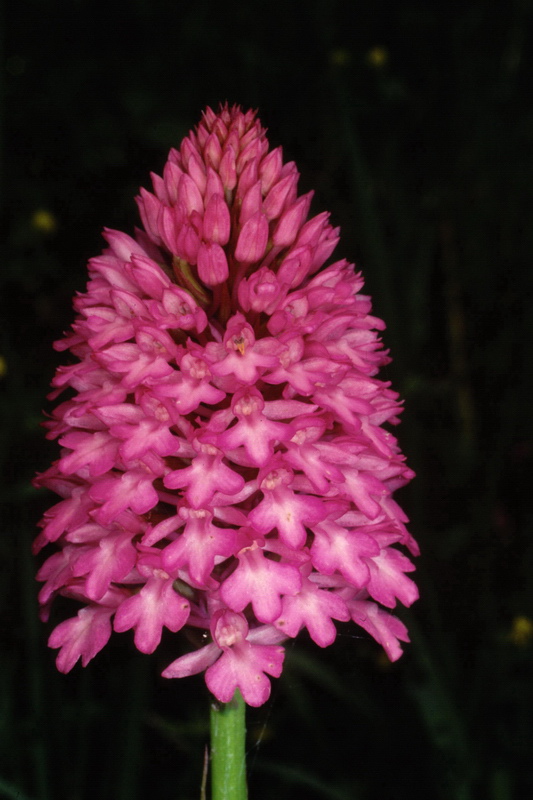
x,y
223,460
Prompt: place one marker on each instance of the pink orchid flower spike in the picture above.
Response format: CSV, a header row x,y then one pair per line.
x,y
225,458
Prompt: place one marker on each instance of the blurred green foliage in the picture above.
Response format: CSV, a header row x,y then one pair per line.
x,y
413,122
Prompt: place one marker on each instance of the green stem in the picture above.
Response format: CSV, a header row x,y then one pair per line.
x,y
228,757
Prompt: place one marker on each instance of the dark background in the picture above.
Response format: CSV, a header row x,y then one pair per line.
x,y
413,122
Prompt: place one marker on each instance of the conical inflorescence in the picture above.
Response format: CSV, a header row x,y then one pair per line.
x,y
224,464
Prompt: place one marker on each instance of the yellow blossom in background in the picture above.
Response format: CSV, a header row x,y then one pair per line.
x,y
377,57
44,221
521,632
3,366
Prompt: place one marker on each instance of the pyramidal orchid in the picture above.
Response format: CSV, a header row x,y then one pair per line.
x,y
224,464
